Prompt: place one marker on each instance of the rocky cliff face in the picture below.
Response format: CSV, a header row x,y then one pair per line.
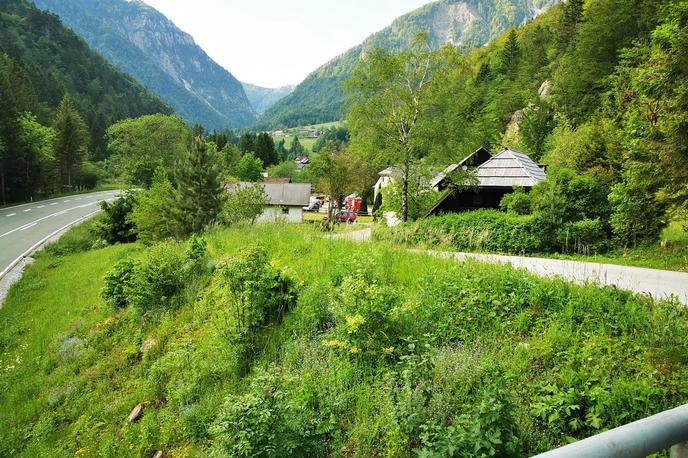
x,y
463,23
144,43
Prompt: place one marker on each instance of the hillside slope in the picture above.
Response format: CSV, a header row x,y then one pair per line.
x,y
376,352
145,44
463,23
264,98
46,60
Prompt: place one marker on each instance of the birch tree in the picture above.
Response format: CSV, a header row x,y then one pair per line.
x,y
388,103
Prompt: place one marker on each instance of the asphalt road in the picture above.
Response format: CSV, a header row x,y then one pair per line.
x,y
22,226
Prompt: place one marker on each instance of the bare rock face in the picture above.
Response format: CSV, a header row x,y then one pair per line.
x,y
147,345
145,44
545,90
136,413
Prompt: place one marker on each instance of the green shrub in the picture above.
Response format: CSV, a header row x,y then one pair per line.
x,y
116,226
158,277
363,311
266,422
152,214
488,430
117,283
196,250
255,294
518,202
245,205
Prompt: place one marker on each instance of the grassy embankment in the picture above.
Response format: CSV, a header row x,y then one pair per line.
x,y
383,353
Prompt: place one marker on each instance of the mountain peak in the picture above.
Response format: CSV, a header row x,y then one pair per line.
x,y
144,43
462,23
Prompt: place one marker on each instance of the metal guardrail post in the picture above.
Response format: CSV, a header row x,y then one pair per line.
x,y
668,429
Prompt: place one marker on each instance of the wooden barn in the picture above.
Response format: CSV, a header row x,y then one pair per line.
x,y
497,177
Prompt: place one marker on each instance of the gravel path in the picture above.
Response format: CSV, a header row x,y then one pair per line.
x,y
660,284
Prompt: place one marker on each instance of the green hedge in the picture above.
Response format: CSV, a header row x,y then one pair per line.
x,y
481,230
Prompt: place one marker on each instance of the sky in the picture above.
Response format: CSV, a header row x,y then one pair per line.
x,y
273,43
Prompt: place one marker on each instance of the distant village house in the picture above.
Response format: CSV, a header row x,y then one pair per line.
x,y
286,200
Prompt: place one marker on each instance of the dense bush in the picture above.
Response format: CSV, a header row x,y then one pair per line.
x,y
117,282
483,230
268,422
154,280
363,310
158,276
115,226
518,202
254,294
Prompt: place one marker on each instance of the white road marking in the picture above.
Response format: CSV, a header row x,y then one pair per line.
x,y
78,198
28,226
68,200
11,214
41,206
55,203
27,210
42,241
21,228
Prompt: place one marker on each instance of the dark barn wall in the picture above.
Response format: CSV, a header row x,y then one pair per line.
x,y
472,200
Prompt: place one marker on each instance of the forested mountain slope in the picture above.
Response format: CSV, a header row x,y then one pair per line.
x,y
463,23
264,98
145,44
40,62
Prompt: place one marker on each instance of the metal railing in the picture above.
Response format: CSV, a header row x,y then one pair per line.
x,y
638,439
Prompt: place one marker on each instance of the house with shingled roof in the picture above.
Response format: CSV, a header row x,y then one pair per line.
x,y
497,177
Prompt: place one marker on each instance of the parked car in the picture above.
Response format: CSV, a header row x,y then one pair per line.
x,y
343,217
313,206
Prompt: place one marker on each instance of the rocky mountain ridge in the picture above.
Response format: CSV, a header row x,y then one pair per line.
x,y
142,42
462,23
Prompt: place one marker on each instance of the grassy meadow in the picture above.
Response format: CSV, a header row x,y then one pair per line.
x,y
379,352
306,142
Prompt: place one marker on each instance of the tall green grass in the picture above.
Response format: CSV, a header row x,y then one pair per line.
x,y
447,356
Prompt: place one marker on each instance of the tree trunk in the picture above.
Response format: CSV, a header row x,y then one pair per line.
x,y
404,193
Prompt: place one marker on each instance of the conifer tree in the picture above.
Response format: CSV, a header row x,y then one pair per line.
x,y
200,193
247,143
511,53
71,139
282,152
296,149
572,15
265,149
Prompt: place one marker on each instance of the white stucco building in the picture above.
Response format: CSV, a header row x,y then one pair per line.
x,y
286,200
